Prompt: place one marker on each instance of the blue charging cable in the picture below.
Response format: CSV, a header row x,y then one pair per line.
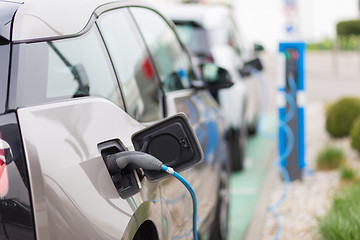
x,y
284,175
283,156
283,125
118,161
191,191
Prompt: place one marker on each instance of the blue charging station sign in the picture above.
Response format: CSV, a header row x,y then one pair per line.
x,y
291,107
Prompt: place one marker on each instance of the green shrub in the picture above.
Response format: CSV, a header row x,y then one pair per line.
x,y
347,173
342,221
348,43
326,44
341,115
330,158
348,28
355,135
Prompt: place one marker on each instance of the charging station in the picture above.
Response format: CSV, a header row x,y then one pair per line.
x,y
291,106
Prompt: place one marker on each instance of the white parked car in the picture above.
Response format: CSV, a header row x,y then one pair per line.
x,y
211,35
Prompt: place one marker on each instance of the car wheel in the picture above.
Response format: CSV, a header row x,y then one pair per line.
x,y
237,141
220,225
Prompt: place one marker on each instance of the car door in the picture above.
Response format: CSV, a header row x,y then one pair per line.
x,y
174,69
136,70
68,102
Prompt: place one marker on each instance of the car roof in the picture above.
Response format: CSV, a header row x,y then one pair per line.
x,y
207,16
37,20
7,10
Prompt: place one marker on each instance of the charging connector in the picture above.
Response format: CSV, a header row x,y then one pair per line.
x,y
118,161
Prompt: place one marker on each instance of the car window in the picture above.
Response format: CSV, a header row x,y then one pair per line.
x,y
4,66
235,39
239,39
172,62
69,68
139,84
227,34
194,37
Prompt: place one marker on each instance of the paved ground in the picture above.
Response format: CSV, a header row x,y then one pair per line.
x,y
247,186
328,75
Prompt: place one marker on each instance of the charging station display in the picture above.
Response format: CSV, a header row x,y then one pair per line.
x,y
291,109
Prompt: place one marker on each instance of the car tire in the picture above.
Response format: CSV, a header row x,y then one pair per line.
x,y
252,127
237,140
220,225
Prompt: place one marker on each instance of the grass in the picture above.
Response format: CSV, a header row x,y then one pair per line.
x,y
326,44
342,221
349,43
330,158
347,173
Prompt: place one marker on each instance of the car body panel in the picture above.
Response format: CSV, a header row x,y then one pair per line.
x,y
7,11
63,210
209,125
34,22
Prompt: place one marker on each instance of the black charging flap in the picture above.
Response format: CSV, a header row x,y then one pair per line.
x,y
172,141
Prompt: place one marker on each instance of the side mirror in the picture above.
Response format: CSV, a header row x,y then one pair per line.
x,y
215,77
252,65
198,84
172,82
258,47
172,141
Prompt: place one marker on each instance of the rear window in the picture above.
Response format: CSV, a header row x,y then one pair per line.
x,y
65,69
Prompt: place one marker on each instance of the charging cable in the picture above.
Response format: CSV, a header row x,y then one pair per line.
x,y
284,174
280,162
191,191
283,126
118,161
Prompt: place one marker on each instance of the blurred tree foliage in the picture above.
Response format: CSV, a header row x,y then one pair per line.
x,y
348,28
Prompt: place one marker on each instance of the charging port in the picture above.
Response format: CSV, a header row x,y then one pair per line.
x,y
126,181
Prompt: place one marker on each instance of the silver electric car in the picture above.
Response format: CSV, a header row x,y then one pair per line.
x,y
78,81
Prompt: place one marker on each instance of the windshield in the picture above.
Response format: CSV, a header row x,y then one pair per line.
x,y
199,40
